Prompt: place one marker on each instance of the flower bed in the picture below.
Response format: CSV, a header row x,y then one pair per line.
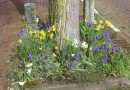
x,y
42,56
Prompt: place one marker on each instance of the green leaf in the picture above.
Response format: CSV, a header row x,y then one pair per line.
x,y
88,63
80,70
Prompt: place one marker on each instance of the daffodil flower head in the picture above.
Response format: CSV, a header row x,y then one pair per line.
x,y
37,20
98,27
101,21
75,43
35,31
85,20
72,55
29,71
102,27
108,23
40,49
20,41
31,32
21,83
42,35
56,47
51,35
84,45
54,55
49,30
95,22
53,28
90,48
29,65
42,32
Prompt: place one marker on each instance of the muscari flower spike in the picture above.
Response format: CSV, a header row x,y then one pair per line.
x,y
105,59
52,65
73,63
30,56
89,23
98,37
116,48
40,57
94,49
102,47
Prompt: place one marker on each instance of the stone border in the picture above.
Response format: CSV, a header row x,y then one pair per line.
x,y
87,86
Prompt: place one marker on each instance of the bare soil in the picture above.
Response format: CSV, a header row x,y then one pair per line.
x,y
11,12
9,23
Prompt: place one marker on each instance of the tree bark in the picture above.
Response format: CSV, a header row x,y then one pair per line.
x,y
65,14
89,10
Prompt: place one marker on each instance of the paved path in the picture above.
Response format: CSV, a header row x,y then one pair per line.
x,y
9,26
118,12
11,12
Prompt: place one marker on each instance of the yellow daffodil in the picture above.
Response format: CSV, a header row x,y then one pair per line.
x,y
101,21
49,30
53,55
85,20
41,38
102,27
56,47
51,35
40,48
108,23
53,28
20,41
94,22
30,32
98,27
42,35
35,31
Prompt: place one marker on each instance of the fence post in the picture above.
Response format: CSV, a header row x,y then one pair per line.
x,y
30,16
89,10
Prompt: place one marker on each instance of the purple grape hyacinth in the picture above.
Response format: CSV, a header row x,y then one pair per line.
x,y
105,59
116,48
20,33
40,57
30,56
75,62
102,47
89,23
94,49
52,65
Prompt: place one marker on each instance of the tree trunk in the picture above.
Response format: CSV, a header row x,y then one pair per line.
x,y
65,14
89,10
